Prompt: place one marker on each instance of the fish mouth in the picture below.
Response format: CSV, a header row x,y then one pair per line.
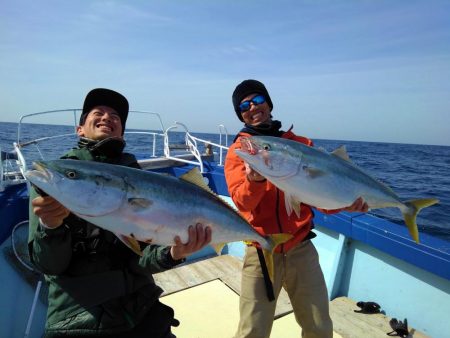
x,y
251,148
248,146
39,173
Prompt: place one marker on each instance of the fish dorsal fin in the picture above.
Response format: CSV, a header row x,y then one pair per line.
x,y
341,152
195,177
292,204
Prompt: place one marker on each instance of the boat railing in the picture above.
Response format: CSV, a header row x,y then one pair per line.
x,y
10,173
73,114
158,136
21,144
155,134
222,131
209,145
191,145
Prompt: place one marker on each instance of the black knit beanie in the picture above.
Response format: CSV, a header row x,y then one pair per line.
x,y
105,97
246,88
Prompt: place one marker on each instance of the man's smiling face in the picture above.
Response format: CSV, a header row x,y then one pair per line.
x,y
257,114
101,122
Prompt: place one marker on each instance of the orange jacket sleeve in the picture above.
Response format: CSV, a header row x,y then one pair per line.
x,y
245,194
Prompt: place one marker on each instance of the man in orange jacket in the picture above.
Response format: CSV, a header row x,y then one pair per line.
x,y
296,263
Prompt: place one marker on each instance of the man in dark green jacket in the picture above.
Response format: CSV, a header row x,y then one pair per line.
x,y
98,286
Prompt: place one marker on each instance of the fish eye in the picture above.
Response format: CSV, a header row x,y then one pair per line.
x,y
266,146
71,174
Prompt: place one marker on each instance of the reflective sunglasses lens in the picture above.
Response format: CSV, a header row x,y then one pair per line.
x,y
244,106
258,99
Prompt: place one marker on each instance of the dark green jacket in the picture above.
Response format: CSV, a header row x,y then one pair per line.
x,y
96,284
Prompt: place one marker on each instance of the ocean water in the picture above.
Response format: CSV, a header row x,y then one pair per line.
x,y
412,171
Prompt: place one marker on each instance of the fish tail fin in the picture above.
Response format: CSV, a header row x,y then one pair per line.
x,y
410,214
272,242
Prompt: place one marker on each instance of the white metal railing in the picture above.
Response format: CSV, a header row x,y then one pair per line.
x,y
10,173
23,117
220,146
20,144
191,143
191,146
153,134
222,129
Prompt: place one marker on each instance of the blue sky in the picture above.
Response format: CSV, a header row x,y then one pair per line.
x,y
349,70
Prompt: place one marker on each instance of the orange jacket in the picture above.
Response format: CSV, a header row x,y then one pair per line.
x,y
262,203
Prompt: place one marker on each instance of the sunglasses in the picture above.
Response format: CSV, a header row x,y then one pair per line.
x,y
244,106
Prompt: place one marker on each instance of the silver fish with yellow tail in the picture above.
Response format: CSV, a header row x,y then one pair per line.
x,y
321,179
138,205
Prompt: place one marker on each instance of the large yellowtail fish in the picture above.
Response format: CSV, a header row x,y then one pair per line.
x,y
321,179
144,206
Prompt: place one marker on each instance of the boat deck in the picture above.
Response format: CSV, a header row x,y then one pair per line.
x,y
205,296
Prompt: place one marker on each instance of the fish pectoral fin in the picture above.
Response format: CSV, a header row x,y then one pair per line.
x,y
287,204
341,152
218,248
130,242
139,203
292,204
194,176
314,172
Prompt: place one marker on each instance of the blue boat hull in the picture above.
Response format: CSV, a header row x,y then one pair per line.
x,y
363,257
13,208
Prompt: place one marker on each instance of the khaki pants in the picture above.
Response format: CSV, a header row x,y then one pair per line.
x,y
299,273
